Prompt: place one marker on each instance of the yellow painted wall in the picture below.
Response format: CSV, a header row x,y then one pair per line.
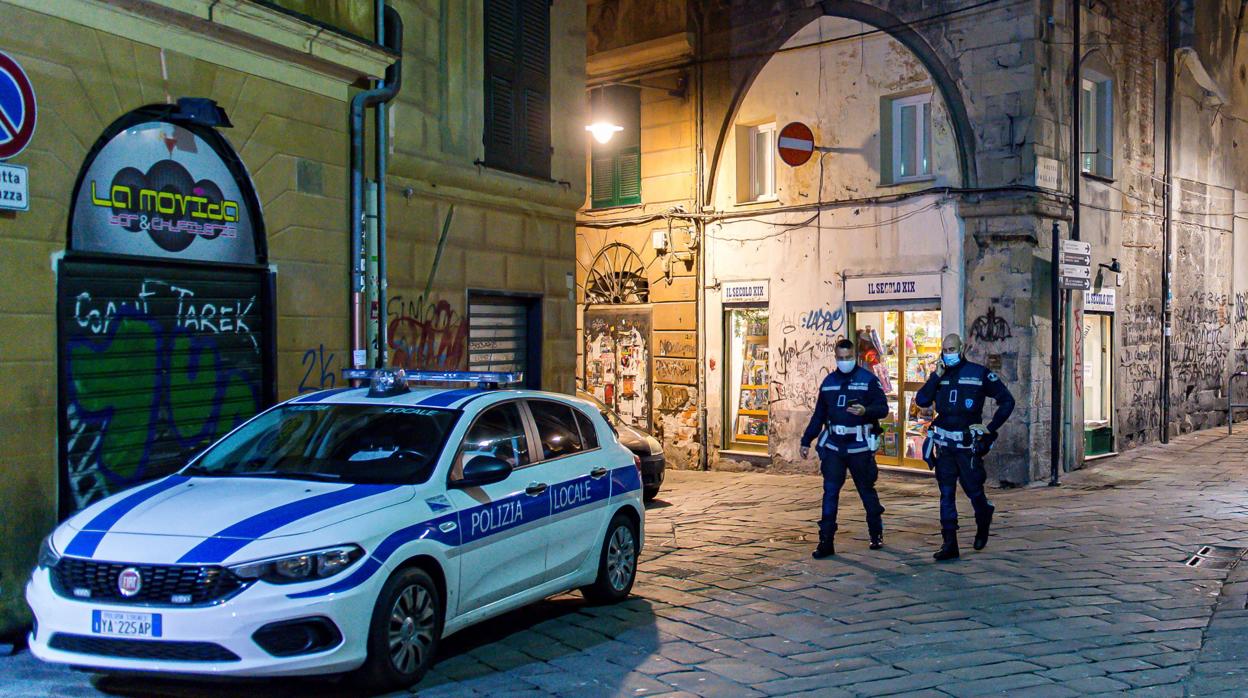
x,y
510,233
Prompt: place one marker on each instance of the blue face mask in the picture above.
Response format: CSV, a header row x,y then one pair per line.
x,y
846,365
952,360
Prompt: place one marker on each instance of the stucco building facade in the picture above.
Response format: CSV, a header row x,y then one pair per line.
x,y
942,166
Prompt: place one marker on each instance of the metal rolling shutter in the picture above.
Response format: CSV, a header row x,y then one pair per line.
x,y
156,362
498,334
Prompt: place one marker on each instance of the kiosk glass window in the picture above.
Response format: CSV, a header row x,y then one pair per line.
x,y
901,348
748,377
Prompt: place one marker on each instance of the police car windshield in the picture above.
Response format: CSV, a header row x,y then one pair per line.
x,y
338,443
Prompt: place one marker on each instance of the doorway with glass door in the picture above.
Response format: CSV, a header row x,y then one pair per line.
x,y
901,348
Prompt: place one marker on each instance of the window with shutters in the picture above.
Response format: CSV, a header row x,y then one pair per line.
x,y
517,86
1096,124
615,175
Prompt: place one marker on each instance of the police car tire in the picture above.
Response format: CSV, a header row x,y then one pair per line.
x,y
602,590
379,671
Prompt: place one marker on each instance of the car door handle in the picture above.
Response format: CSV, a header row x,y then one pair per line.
x,y
535,488
598,472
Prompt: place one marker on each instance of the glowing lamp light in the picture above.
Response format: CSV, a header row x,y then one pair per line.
x,y
603,130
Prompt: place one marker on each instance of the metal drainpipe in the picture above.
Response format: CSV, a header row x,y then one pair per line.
x,y
1166,252
393,40
700,227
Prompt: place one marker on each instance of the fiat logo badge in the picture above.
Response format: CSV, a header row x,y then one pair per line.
x,y
129,582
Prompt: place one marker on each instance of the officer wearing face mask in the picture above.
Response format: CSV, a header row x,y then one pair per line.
x,y
958,438
850,403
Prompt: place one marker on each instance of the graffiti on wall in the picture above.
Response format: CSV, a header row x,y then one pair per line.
x,y
1139,357
1201,342
149,381
320,370
823,321
426,335
1076,367
990,327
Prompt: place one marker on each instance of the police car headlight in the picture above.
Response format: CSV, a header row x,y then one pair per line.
x,y
316,564
48,557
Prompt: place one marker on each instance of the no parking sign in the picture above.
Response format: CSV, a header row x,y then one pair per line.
x,y
17,108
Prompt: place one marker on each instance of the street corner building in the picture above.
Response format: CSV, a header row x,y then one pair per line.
x,y
195,222
768,177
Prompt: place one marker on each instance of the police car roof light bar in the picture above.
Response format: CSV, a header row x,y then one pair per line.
x,y
487,380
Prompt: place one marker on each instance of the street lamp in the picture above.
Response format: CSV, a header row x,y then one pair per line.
x,y
603,130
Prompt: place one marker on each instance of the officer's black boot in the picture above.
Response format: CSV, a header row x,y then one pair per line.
x,y
982,524
948,551
825,549
877,540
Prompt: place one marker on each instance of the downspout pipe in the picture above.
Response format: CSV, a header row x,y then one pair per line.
x,y
387,17
384,92
1167,224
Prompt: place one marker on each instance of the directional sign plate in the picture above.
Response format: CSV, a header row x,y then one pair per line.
x,y
1075,271
1076,259
1073,284
1077,247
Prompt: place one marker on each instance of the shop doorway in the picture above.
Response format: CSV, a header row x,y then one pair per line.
x,y
901,348
1098,386
748,378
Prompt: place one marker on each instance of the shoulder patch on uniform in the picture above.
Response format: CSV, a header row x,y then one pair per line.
x,y
992,376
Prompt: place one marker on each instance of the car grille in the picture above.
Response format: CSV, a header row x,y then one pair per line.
x,y
172,585
142,649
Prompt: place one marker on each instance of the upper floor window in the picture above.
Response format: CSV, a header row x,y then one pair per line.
x,y
1096,122
517,86
907,127
762,162
615,171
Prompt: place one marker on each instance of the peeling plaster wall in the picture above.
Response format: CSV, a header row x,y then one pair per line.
x,y
806,266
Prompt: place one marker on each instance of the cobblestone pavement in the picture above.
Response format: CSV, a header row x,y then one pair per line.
x,y
1083,590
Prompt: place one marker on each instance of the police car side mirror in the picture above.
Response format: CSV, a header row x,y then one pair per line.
x,y
484,470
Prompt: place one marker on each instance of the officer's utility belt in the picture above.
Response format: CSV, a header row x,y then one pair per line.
x,y
860,431
946,437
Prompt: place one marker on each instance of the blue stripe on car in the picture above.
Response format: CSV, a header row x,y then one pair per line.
x,y
230,540
88,539
501,517
321,395
448,398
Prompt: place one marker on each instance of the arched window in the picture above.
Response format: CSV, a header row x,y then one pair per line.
x,y
616,276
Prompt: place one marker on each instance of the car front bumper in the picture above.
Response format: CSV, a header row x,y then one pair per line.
x,y
229,625
652,469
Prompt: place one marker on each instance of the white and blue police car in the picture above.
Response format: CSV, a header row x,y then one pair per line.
x,y
346,530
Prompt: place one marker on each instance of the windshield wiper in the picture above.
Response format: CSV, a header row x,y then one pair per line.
x,y
198,470
288,475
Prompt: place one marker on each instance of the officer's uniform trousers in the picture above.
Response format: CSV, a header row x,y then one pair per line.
x,y
956,462
837,456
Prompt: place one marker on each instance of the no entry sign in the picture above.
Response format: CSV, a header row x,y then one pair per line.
x,y
17,108
796,143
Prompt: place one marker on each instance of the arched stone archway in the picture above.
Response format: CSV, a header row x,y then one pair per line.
x,y
753,32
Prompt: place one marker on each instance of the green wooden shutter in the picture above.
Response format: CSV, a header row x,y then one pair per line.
x,y
517,86
628,176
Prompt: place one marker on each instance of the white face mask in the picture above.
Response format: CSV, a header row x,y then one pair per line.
x,y
846,365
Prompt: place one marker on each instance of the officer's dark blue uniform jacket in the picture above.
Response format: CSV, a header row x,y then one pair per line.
x,y
958,397
836,394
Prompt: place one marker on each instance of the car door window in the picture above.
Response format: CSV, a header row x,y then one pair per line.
x,y
498,432
589,435
556,428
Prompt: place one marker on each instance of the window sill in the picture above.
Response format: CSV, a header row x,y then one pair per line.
x,y
1108,179
760,202
543,179
908,180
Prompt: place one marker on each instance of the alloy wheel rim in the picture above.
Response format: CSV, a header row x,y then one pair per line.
x,y
411,629
621,558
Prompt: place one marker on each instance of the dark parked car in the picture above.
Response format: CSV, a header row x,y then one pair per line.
x,y
639,442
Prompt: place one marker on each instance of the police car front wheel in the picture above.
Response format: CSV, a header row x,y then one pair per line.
x,y
617,566
405,629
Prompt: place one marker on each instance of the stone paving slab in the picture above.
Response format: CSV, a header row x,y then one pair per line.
x,y
1082,591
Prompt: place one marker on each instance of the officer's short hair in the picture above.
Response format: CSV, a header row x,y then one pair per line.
x,y
844,344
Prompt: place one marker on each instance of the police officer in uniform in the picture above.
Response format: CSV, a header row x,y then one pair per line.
x,y
850,403
958,439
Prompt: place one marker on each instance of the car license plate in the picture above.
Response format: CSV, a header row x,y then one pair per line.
x,y
115,624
